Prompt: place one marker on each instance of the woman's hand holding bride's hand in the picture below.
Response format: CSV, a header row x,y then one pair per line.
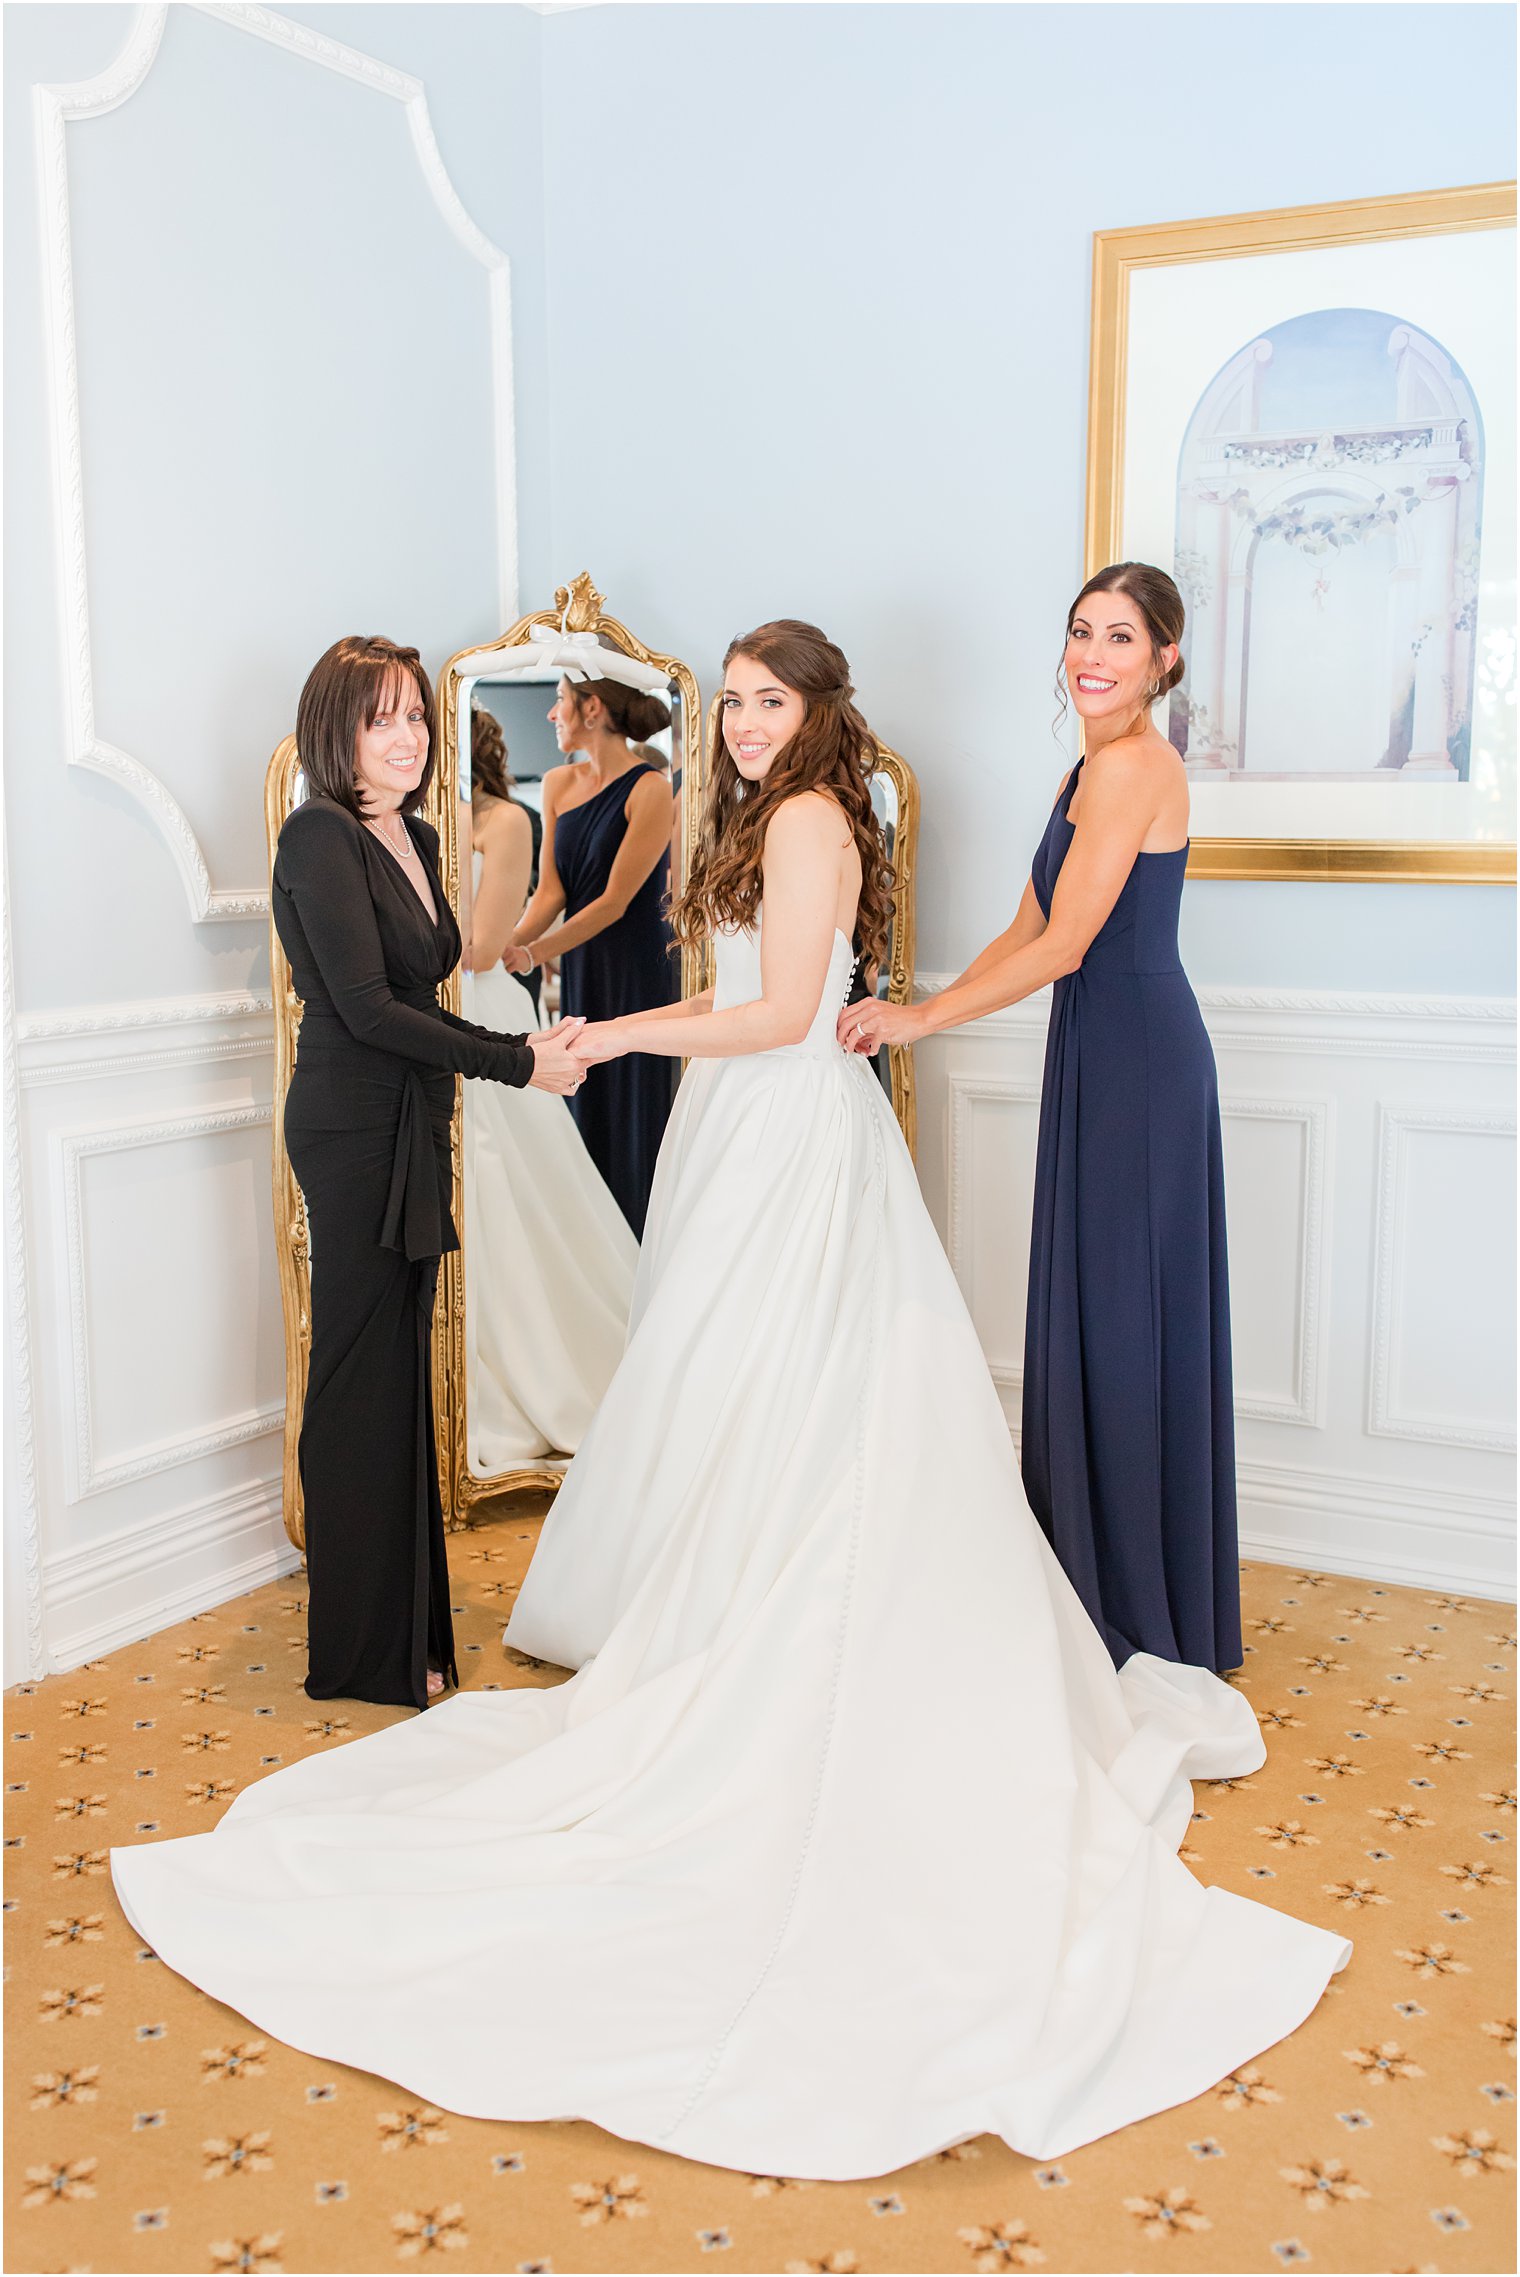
x,y
601,1040
866,1026
555,1065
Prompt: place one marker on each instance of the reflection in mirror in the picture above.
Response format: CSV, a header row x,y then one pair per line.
x,y
570,817
550,1256
567,751
884,800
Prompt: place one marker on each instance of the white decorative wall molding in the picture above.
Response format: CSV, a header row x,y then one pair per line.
x,y
71,1149
140,1579
55,107
1363,1004
1313,1115
211,1054
1395,1127
209,1031
147,1012
1478,1029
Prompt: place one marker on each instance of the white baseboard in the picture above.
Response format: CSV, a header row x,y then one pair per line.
x,y
134,1583
1374,1532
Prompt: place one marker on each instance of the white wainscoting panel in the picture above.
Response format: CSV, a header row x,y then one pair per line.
x,y
1274,1152
155,1314
1445,1217
1372,1245
145,1207
993,1125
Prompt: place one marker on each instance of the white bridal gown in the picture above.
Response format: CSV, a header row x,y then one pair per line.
x,y
552,1259
846,1842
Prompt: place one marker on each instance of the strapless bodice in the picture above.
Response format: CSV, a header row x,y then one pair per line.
x,y
738,982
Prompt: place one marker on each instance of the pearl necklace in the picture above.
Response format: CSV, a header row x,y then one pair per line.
x,y
384,837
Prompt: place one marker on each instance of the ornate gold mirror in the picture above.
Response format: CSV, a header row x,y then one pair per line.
x,y
284,788
894,794
532,1309
569,759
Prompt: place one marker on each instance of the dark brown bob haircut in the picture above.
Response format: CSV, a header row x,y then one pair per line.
x,y
346,690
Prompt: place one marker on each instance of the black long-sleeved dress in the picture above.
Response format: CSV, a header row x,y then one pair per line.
x,y
367,1129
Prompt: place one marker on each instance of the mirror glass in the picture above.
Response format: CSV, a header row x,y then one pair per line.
x,y
884,800
563,825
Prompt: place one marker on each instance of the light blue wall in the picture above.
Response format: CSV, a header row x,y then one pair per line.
x,y
800,301
839,368
276,448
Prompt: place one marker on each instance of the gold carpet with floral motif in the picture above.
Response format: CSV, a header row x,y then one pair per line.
x,y
151,2129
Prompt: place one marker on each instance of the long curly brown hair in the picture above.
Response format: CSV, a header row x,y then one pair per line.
x,y
832,751
490,776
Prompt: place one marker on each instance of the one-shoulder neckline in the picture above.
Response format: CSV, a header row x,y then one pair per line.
x,y
1142,853
629,775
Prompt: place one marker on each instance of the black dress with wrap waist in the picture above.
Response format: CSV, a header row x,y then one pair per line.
x,y
367,1124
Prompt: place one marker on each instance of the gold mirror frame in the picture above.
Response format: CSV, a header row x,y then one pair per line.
x,y
581,606
904,934
895,767
577,608
292,1239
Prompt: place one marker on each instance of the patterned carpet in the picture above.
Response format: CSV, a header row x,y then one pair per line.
x,y
151,2129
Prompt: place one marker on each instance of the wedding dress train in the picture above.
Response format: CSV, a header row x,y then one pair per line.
x,y
846,1842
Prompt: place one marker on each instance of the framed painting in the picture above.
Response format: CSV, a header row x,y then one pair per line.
x,y
1308,418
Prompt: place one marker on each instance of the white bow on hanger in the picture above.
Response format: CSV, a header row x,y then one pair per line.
x,y
578,655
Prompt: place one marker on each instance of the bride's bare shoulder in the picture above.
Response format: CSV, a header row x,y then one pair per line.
x,y
809,817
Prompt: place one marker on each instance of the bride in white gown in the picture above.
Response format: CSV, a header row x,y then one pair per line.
x,y
846,1842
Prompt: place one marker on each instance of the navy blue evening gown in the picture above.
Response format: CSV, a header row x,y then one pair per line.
x,y
1128,1448
624,1104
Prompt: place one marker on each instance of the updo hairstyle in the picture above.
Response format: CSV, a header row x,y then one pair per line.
x,y
631,712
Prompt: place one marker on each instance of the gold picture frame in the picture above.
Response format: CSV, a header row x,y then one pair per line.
x,y
1117,256
578,608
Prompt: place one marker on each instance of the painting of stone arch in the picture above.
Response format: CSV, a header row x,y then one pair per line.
x,y
1329,511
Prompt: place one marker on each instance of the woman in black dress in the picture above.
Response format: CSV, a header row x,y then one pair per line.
x,y
1128,1446
361,915
605,862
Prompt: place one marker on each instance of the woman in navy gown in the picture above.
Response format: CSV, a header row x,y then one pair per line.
x,y
1128,1448
605,863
